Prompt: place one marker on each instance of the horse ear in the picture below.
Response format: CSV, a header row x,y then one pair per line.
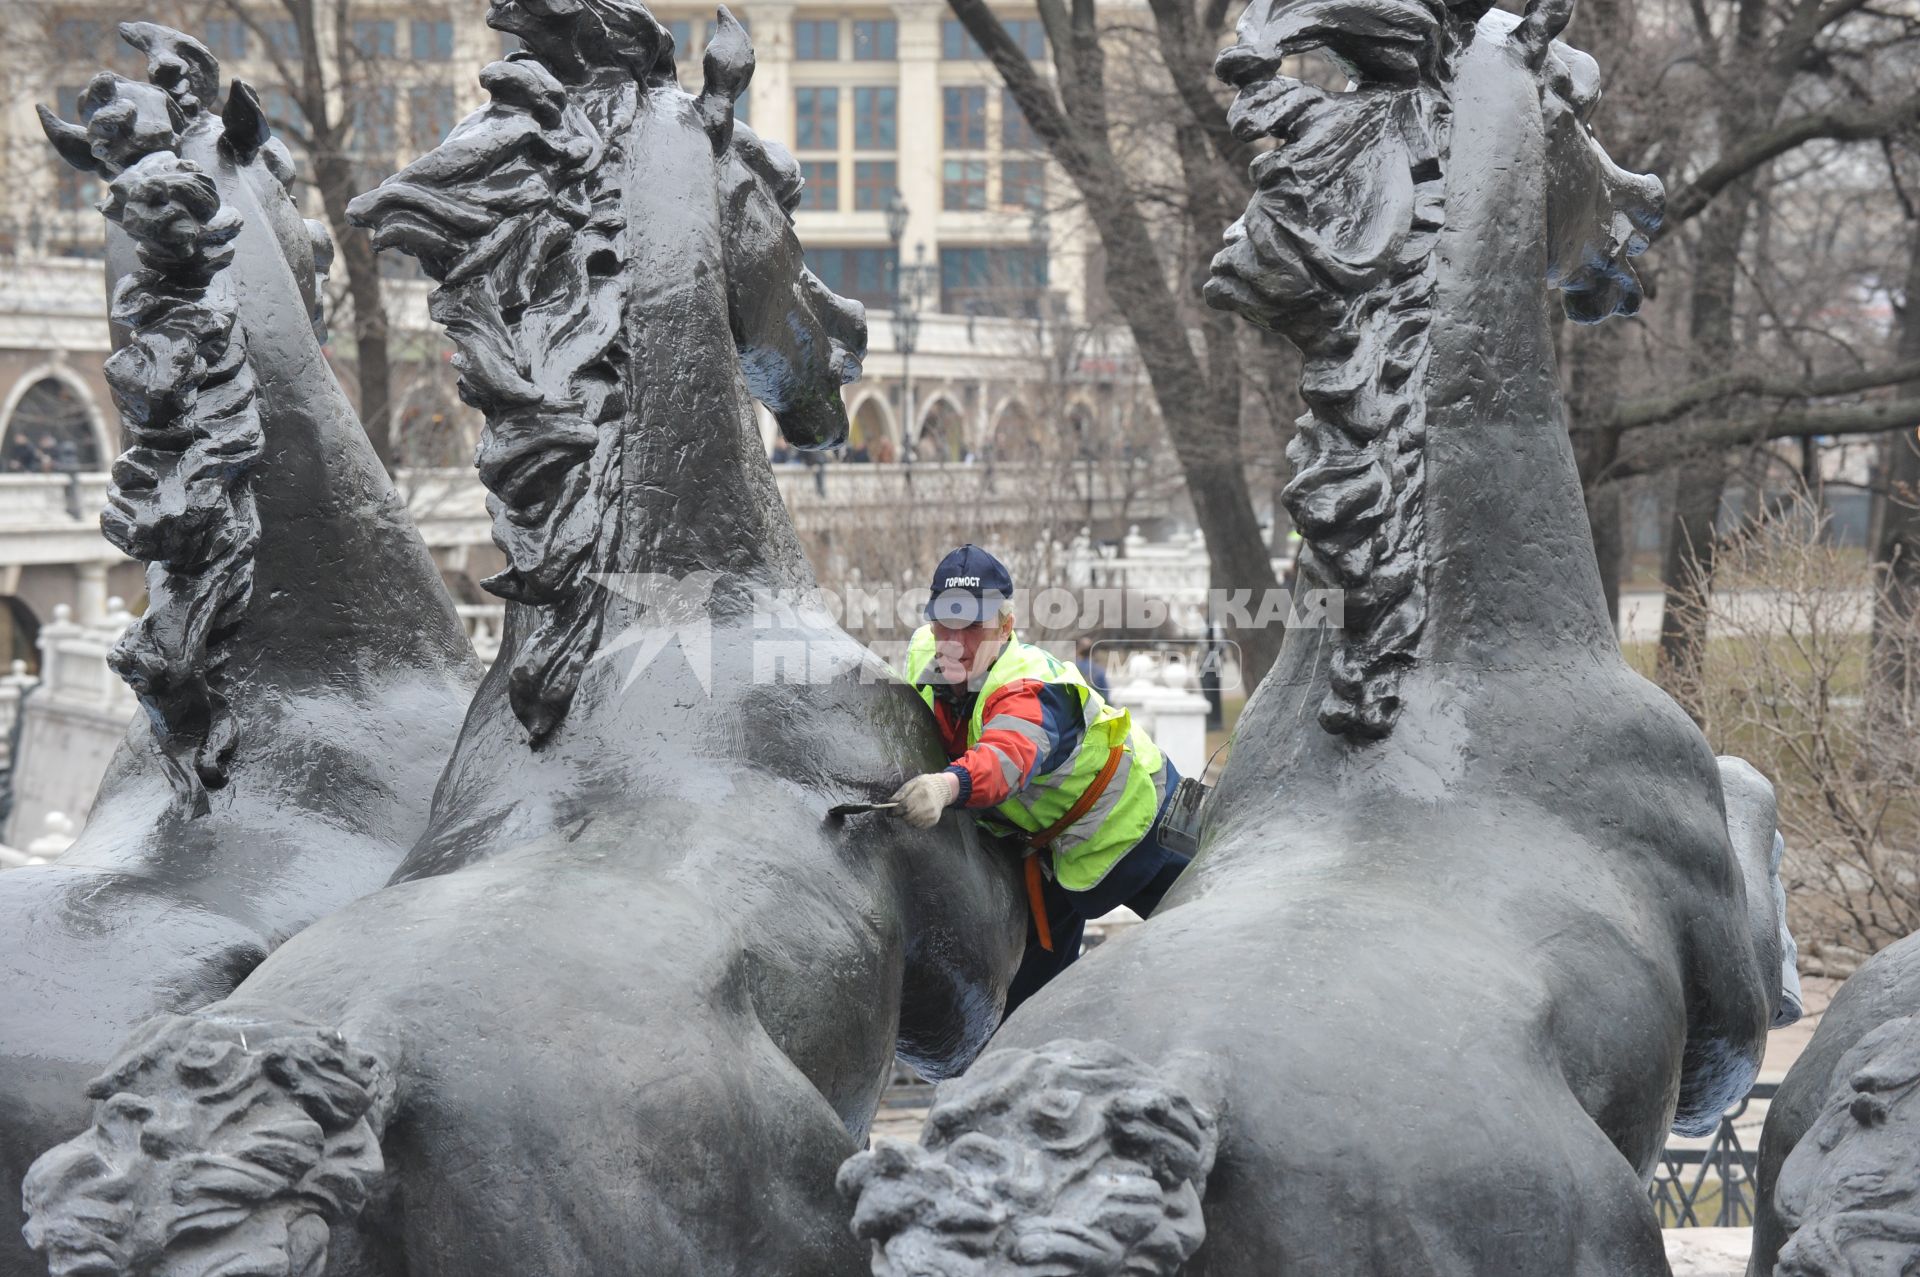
x,y
70,140
244,125
1544,21
728,68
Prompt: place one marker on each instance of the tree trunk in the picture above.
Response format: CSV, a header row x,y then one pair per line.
x,y
373,361
1594,381
1896,545
1687,563
1199,402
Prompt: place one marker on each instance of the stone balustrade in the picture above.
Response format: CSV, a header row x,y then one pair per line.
x,y
71,724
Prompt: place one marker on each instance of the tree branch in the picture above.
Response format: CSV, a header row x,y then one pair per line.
x,y
1750,153
1637,414
1658,450
1192,73
1037,101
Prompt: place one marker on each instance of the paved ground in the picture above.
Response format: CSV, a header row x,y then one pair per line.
x,y
1709,1252
1640,612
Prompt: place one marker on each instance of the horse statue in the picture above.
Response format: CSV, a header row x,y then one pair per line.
x,y
301,668
1468,931
632,999
1837,1188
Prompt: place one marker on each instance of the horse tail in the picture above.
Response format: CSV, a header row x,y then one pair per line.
x,y
1072,1158
221,1143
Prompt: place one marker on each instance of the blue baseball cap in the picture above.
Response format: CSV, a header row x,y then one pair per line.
x,y
968,587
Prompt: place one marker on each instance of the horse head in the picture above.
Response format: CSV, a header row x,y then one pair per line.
x,y
590,227
178,110
1456,114
1848,1192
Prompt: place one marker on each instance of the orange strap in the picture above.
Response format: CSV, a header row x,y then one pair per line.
x,y
1037,901
1039,842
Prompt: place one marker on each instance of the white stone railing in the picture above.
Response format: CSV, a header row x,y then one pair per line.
x,y
69,728
13,686
450,506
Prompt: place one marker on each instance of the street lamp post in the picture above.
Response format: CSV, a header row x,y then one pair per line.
x,y
909,285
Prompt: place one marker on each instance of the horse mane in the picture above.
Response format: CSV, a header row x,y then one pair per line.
x,y
181,496
1342,227
532,295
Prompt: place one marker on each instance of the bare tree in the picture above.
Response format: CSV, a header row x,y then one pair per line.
x,y
1749,108
1148,276
1896,534
335,97
1782,682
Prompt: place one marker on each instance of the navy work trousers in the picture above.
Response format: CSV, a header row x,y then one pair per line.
x,y
1137,880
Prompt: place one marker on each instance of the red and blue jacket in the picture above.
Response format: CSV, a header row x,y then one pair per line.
x,y
1025,729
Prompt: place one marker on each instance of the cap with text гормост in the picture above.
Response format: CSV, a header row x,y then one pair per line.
x,y
968,587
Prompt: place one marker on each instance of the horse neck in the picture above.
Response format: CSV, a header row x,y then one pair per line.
x,y
697,493
343,584
1514,614
1511,567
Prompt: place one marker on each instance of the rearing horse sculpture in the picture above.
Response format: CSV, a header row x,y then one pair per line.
x,y
301,667
1467,932
633,998
1838,1183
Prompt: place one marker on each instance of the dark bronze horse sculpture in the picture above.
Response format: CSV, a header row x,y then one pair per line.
x,y
632,999
1467,932
1838,1184
301,667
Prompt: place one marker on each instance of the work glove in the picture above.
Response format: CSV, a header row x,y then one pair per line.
x,y
923,798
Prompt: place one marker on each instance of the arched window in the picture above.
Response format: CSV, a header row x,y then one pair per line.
x,y
19,635
871,435
50,431
1081,430
942,433
1015,437
434,429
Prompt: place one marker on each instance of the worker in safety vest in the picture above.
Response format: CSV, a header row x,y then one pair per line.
x,y
1040,756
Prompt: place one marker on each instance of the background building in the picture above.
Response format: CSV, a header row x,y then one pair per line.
x,y
887,108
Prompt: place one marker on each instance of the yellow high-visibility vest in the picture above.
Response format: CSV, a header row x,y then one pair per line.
x,y
1086,850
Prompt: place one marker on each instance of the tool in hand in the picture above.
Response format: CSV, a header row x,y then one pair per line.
x,y
854,809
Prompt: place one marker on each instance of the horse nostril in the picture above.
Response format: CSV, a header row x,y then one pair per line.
x,y
1241,64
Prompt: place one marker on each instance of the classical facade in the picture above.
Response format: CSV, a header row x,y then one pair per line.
x,y
886,107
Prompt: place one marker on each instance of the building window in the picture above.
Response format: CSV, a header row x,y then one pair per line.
x,y
432,40
963,186
282,37
682,31
956,45
816,119
992,281
1016,134
874,182
73,190
822,189
740,108
226,39
283,113
965,113
1030,34
875,40
1023,183
372,120
429,115
816,41
864,274
82,40
374,38
874,111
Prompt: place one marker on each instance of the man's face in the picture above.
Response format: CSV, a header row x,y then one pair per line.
x,y
964,654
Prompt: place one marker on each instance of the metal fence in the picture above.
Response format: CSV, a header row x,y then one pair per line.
x,y
1710,1187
